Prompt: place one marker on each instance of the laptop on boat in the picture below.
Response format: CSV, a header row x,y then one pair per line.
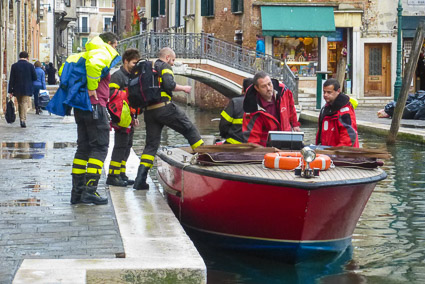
x,y
286,140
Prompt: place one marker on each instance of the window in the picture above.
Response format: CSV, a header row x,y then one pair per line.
x,y
84,25
107,24
207,8
84,41
93,3
237,6
180,12
105,3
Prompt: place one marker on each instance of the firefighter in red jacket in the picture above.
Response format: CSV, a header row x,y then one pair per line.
x,y
337,120
269,106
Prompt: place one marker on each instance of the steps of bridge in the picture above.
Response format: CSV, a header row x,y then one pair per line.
x,y
307,98
374,102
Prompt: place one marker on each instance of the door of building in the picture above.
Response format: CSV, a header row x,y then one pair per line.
x,y
377,70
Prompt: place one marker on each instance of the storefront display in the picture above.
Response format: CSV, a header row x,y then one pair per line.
x,y
301,54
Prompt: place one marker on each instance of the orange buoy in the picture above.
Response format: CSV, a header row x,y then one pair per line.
x,y
292,160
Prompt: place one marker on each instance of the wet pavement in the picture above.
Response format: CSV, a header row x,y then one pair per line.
x,y
36,218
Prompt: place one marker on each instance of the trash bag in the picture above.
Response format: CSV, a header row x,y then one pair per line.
x,y
10,112
420,114
389,108
412,108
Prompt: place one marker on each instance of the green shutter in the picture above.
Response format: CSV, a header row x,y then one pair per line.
x,y
154,8
162,7
207,7
178,13
237,6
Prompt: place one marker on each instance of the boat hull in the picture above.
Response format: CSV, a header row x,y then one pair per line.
x,y
268,219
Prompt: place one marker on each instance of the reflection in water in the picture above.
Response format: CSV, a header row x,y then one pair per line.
x,y
22,150
22,203
389,241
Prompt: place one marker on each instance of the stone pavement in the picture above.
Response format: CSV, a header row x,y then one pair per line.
x,y
36,218
43,239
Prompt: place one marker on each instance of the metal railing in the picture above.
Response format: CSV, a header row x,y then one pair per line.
x,y
204,46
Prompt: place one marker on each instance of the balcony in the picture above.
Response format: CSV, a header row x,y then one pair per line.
x,y
82,30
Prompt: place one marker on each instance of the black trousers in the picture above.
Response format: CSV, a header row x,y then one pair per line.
x,y
93,140
123,142
172,116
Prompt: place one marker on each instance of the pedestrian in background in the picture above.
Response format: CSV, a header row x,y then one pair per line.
x,y
22,75
123,136
164,113
260,49
51,74
39,84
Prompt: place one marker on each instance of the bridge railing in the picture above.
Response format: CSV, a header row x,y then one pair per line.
x,y
204,46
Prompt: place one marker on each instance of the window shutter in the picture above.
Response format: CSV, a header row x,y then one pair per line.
x,y
154,8
237,6
162,7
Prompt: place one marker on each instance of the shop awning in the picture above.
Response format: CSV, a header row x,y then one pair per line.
x,y
297,21
409,25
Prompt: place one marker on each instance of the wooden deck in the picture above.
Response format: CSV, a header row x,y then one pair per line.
x,y
337,174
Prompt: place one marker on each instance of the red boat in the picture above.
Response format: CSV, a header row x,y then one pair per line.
x,y
273,212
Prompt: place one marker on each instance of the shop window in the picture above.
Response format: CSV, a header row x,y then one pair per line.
x,y
301,54
207,8
237,6
337,47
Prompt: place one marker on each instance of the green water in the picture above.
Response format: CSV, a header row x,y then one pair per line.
x,y
389,241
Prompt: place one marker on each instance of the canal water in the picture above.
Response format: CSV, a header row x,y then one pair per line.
x,y
388,243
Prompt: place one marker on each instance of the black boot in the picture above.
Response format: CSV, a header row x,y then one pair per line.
x,y
37,110
23,124
142,175
78,185
90,194
126,179
115,180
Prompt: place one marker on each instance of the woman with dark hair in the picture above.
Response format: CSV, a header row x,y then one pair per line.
x,y
39,84
51,73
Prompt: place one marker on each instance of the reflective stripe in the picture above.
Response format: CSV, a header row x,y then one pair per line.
x,y
167,71
146,165
96,162
78,171
276,162
117,172
114,86
164,94
233,141
238,121
115,164
226,116
123,170
94,171
197,144
94,78
79,162
147,157
123,163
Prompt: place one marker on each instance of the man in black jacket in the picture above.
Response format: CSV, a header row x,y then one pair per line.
x,y
164,113
22,74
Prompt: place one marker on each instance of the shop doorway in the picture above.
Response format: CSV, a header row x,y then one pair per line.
x,y
377,70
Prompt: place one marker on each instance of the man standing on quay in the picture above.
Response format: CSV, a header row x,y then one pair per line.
x,y
82,73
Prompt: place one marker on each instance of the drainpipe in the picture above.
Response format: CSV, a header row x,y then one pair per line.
x,y
398,81
18,27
